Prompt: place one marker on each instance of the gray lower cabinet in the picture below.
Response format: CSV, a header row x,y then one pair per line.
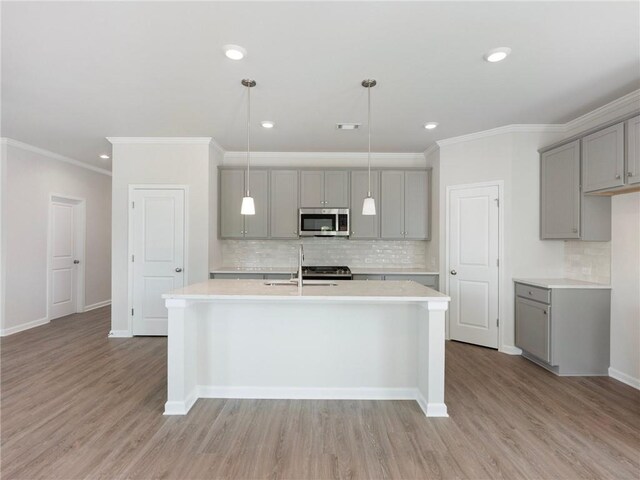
x,y
324,189
633,150
284,204
404,205
232,189
565,211
603,159
565,330
364,226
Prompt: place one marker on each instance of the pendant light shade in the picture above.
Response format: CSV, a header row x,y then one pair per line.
x,y
248,206
369,204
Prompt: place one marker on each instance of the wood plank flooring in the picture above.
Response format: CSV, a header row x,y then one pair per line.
x,y
75,404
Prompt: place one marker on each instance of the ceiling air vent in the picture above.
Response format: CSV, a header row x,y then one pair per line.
x,y
348,126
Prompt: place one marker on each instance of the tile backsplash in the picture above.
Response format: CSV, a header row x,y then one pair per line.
x,y
319,251
588,261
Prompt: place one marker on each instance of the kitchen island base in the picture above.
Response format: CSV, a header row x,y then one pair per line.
x,y
306,347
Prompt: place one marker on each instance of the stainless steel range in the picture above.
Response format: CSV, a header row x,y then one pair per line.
x,y
326,273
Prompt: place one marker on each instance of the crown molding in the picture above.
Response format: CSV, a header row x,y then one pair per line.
x,y
431,148
162,140
626,104
54,156
325,155
217,146
515,128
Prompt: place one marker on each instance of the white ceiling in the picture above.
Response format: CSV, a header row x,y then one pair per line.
x,y
75,73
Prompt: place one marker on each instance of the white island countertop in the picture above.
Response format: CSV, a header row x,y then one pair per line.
x,y
343,290
560,283
354,270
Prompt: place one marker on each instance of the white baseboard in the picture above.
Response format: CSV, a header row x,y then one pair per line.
x,y
25,326
88,308
624,378
431,409
181,408
311,393
510,350
120,334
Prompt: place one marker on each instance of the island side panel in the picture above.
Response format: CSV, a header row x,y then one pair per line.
x,y
181,356
431,352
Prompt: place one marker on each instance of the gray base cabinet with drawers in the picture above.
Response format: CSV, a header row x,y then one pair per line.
x,y
565,330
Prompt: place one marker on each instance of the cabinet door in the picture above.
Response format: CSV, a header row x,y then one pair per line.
x,y
603,159
231,193
364,226
533,328
633,150
284,204
392,205
336,189
416,205
311,189
257,226
560,192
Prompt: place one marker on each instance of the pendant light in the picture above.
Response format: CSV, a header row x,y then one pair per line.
x,y
248,206
369,204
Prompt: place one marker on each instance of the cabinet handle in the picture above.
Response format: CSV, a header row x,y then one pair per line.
x,y
617,177
629,174
544,311
574,230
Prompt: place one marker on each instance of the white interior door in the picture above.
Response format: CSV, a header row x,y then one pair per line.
x,y
65,252
158,255
473,265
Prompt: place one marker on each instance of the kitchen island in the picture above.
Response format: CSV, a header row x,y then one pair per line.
x,y
377,340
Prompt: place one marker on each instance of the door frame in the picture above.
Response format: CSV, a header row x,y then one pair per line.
x,y
130,244
79,237
449,189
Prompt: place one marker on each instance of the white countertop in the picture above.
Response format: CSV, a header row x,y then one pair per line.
x,y
354,270
346,290
560,283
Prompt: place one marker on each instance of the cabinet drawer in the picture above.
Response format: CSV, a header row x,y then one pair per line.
x,y
534,293
533,328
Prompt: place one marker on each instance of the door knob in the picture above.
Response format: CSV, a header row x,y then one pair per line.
x,y
76,262
453,272
178,269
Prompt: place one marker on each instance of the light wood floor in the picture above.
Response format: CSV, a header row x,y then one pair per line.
x,y
78,405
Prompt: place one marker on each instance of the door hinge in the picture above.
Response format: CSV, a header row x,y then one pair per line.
x,y
133,204
497,322
497,262
497,202
132,312
133,258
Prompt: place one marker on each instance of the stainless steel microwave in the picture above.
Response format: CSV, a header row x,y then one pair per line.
x,y
323,222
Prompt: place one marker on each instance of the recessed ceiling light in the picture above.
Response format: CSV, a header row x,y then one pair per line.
x,y
430,125
104,156
497,54
234,52
347,126
267,124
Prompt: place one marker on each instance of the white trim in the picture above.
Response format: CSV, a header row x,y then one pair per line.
x,y
430,149
182,408
630,100
308,393
501,275
54,156
510,350
93,306
130,246
119,334
161,140
624,378
80,239
24,326
217,146
324,155
520,128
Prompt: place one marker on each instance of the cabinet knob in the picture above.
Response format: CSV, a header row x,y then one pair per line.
x,y
574,230
629,174
530,292
544,311
617,177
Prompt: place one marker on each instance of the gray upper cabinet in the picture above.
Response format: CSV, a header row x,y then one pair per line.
x,y
560,192
633,150
324,189
284,204
364,226
231,193
392,205
232,188
416,205
404,205
257,226
603,159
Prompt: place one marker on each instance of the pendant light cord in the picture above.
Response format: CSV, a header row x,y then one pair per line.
x,y
369,133
248,137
